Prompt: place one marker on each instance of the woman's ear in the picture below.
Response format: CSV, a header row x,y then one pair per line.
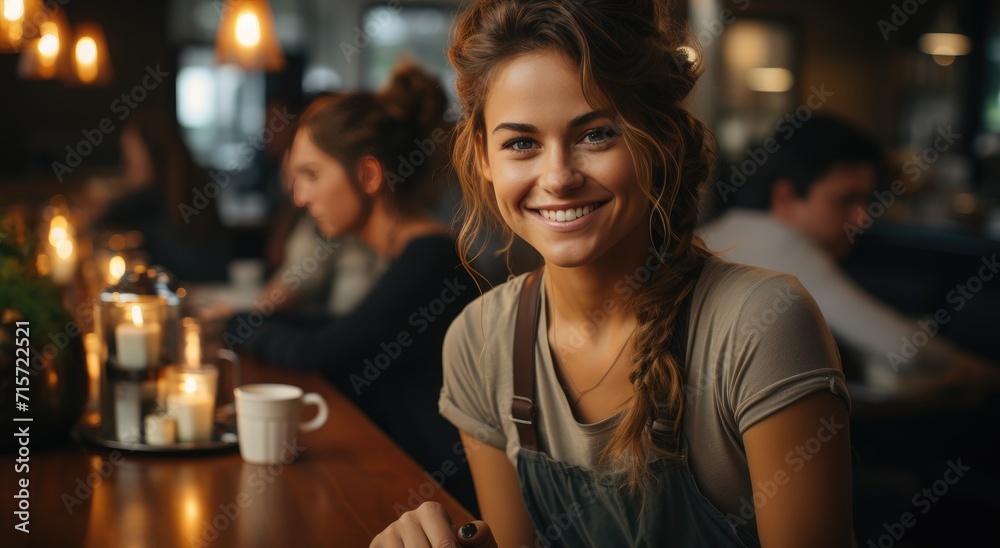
x,y
370,175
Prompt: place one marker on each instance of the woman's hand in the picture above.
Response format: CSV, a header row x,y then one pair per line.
x,y
430,526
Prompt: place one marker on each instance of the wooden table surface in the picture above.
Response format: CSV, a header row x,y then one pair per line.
x,y
346,486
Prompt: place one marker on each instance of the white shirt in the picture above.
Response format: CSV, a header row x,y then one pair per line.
x,y
853,315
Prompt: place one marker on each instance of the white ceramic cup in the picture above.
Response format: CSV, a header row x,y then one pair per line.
x,y
268,421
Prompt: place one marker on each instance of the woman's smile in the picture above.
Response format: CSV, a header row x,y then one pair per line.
x,y
568,217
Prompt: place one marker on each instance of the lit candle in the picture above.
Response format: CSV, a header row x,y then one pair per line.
x,y
192,406
160,429
92,346
138,344
62,258
116,269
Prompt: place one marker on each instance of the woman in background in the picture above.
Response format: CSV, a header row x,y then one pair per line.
x,y
365,164
161,177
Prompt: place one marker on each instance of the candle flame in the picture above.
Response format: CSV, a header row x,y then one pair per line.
x,y
116,268
64,249
136,316
190,385
58,230
248,30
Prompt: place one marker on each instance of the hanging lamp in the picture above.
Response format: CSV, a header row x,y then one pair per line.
x,y
16,23
945,40
91,60
47,56
247,37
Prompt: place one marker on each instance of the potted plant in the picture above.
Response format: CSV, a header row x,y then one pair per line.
x,y
55,391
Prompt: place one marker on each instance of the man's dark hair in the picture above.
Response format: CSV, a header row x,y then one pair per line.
x,y
807,153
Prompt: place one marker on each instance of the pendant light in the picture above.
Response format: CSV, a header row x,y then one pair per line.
x,y
247,37
91,61
945,41
47,56
16,25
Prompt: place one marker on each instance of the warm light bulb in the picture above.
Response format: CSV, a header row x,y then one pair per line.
x,y
13,10
190,385
64,249
116,267
86,55
248,30
136,316
86,50
48,45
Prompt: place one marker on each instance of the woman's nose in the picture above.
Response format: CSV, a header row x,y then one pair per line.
x,y
299,196
560,174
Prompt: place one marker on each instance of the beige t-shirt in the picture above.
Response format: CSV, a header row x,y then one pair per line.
x,y
756,343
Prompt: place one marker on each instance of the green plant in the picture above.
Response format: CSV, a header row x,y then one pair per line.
x,y
34,297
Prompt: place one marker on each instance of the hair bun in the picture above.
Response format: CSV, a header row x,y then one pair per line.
x,y
414,95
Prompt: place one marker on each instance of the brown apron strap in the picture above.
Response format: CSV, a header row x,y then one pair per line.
x,y
522,409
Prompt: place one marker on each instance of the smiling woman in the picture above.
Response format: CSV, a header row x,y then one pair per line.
x,y
596,411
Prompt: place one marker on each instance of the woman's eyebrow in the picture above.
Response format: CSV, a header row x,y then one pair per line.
x,y
581,120
520,128
589,117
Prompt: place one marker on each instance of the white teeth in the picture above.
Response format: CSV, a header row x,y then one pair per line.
x,y
568,214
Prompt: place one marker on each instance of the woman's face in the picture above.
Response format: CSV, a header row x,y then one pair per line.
x,y
563,176
322,185
137,165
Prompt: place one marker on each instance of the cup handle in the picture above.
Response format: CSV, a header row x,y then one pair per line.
x,y
234,360
320,418
236,379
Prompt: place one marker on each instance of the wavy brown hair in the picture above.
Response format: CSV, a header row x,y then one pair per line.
x,y
637,61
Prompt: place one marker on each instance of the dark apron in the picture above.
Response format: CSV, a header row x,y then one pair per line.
x,y
575,507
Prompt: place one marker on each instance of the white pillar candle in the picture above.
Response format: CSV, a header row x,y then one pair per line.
x,y
138,344
160,430
193,408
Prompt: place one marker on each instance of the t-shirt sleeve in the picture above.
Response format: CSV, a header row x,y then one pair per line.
x,y
783,351
468,396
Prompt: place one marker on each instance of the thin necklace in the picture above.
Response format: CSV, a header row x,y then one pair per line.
x,y
579,393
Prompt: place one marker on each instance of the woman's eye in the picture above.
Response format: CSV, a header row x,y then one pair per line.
x,y
600,136
519,145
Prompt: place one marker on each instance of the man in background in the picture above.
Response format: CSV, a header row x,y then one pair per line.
x,y
809,192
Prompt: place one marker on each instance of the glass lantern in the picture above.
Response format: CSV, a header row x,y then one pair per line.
x,y
137,321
